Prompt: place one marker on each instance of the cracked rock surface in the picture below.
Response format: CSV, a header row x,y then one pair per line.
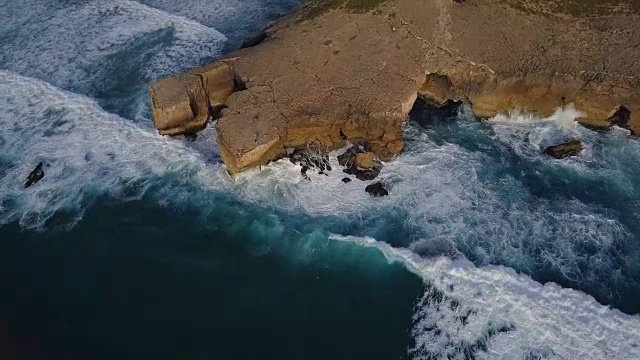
x,y
337,71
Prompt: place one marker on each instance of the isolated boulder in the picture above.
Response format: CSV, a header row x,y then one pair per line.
x,y
377,190
35,175
563,150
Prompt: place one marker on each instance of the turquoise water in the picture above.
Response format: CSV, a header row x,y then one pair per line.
x,y
140,246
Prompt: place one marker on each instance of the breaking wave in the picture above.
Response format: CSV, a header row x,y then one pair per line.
x,y
475,208
450,197
108,50
492,312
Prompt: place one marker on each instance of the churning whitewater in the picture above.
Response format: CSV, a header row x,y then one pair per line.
x,y
523,256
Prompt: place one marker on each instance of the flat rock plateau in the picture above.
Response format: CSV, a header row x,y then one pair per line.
x,y
349,70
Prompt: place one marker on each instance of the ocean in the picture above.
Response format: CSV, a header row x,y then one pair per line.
x,y
140,246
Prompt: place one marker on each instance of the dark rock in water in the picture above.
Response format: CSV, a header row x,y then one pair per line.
x,y
597,127
346,180
36,175
349,156
253,41
355,156
362,174
191,136
560,151
620,117
310,159
303,171
376,190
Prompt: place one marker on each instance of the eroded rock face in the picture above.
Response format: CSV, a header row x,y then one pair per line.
x,y
182,104
326,75
179,105
620,117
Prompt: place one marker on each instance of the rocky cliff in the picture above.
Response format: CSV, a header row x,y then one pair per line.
x,y
351,70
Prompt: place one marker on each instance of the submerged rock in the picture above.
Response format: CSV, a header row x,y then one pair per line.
x,y
377,190
561,151
36,175
346,180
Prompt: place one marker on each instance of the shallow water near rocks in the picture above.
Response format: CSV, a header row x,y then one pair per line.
x,y
137,245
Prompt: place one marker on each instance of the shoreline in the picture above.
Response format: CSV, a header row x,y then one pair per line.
x,y
325,75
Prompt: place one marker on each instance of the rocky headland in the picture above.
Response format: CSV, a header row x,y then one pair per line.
x,y
338,71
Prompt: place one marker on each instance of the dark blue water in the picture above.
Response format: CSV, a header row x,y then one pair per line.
x,y
172,287
140,246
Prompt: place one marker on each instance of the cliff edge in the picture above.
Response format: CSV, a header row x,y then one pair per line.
x,y
336,71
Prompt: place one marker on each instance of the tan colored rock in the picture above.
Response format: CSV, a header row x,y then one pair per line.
x,y
178,104
364,160
436,89
329,73
217,81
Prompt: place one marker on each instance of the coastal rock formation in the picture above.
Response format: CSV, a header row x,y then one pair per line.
x,y
564,150
350,70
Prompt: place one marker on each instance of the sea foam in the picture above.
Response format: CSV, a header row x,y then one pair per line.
x,y
492,312
102,48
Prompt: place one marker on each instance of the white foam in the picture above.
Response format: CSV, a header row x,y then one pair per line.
x,y
542,319
74,47
462,201
438,188
87,151
455,201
